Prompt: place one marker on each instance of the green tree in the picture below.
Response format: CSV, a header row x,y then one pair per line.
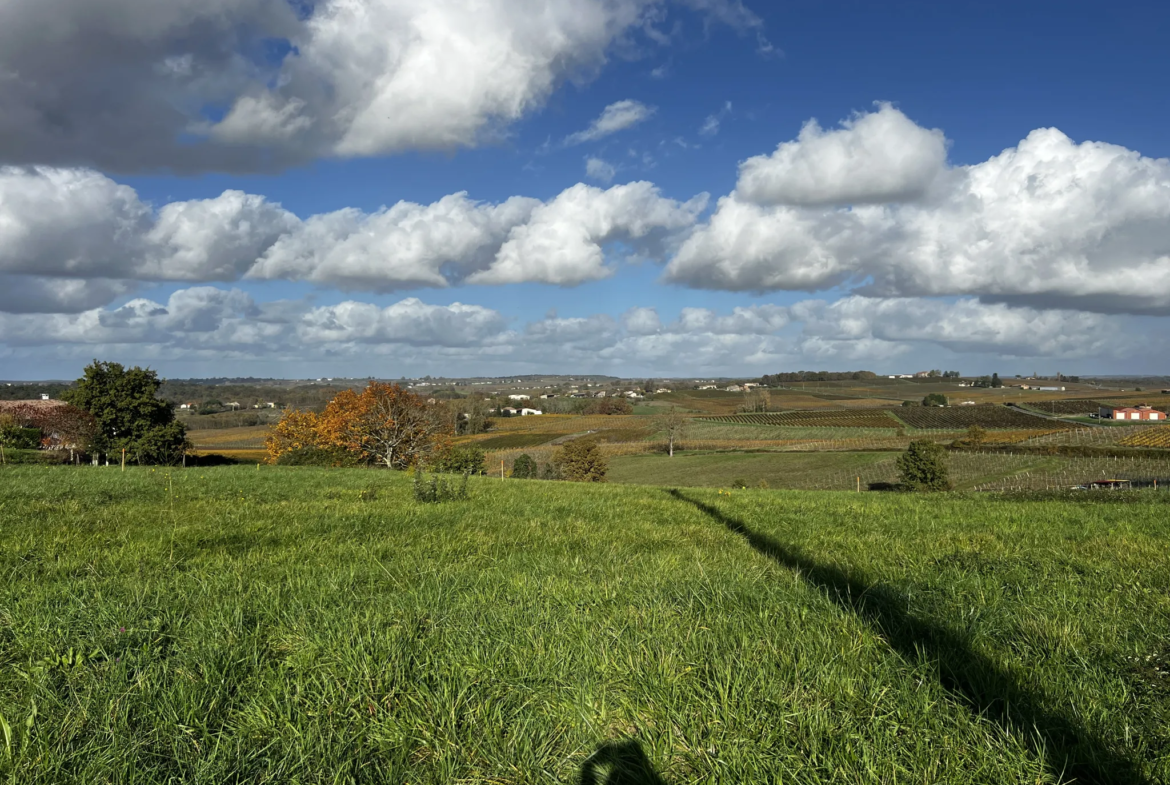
x,y
524,468
995,382
923,467
460,460
581,461
129,414
935,399
976,436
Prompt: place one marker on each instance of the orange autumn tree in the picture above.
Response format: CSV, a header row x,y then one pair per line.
x,y
383,424
296,430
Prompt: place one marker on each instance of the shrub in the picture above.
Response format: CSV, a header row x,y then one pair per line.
x,y
436,489
739,483
17,438
609,406
923,467
909,403
460,460
524,468
550,471
317,456
935,399
581,461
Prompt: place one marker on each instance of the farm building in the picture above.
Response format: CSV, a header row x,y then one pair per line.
x,y
1131,413
518,397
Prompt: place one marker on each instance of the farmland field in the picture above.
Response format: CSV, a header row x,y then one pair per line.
x,y
966,416
837,419
303,625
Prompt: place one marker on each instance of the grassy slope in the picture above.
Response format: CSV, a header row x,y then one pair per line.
x,y
269,626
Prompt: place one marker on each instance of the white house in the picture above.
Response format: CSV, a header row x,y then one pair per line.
x,y
735,388
661,390
527,412
708,387
518,398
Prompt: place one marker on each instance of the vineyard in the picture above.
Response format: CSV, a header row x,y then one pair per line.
x,y
843,418
1157,437
966,416
1066,408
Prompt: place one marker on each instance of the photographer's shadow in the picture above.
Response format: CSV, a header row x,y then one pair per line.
x,y
619,763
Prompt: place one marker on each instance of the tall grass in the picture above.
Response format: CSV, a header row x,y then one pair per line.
x,y
288,625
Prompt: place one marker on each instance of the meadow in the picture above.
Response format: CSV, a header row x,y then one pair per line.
x,y
275,624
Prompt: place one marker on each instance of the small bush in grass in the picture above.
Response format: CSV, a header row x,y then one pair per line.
x,y
550,472
581,461
923,467
524,468
460,460
739,483
436,488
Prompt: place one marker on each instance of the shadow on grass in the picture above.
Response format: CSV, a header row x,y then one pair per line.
x,y
987,688
619,763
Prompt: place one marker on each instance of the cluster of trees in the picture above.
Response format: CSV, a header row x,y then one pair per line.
x,y
108,412
923,467
577,461
815,376
935,399
937,374
989,381
609,405
29,426
383,425
756,401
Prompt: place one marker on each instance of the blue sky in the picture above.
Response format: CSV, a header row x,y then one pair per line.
x,y
896,234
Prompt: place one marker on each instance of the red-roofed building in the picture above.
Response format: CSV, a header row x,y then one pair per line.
x,y
1131,413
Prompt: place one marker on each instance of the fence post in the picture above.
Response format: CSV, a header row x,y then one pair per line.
x,y
123,459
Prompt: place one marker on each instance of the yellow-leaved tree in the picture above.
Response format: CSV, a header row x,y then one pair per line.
x,y
383,424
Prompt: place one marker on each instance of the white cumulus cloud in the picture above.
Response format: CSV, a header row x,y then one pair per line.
x,y
881,156
1049,222
618,116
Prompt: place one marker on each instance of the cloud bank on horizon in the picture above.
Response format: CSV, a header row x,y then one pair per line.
x,y
879,244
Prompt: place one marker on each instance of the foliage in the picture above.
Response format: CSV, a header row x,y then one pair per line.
x,y
459,460
756,400
128,414
524,467
581,461
609,405
674,425
976,436
436,488
473,419
923,467
383,424
296,431
908,403
317,456
15,436
934,399
739,482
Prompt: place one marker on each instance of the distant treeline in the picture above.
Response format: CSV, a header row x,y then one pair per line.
x,y
31,392
304,396
816,376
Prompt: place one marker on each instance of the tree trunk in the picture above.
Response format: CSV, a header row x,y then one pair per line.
x,y
671,446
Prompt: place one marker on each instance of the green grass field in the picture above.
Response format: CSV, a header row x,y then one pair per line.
x,y
282,625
